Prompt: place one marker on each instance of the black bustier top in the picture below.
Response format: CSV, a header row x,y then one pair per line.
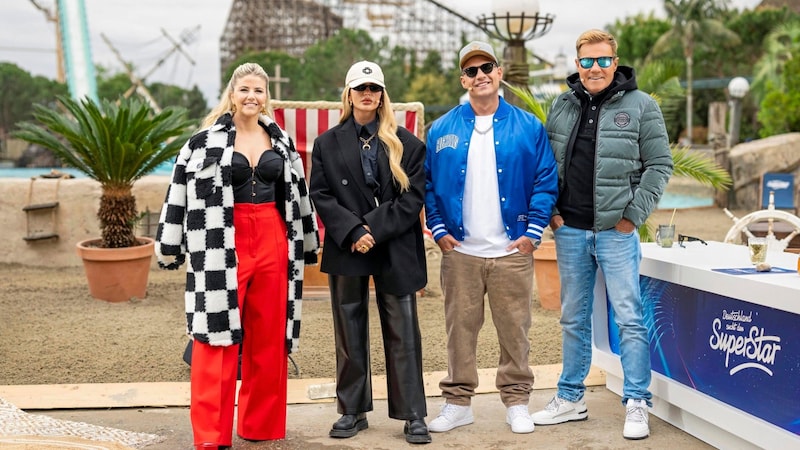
x,y
256,184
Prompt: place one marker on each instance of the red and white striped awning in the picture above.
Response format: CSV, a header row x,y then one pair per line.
x,y
304,121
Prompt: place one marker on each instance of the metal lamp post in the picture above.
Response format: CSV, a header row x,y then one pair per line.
x,y
737,89
515,22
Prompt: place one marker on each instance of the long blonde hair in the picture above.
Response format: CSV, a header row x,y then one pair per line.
x,y
225,104
387,133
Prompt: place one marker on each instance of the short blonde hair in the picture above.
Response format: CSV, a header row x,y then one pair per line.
x,y
596,37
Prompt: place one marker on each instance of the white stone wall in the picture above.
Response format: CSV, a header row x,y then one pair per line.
x,y
750,160
75,216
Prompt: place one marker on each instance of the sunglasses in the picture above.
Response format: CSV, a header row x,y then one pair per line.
x,y
371,87
683,238
486,68
604,62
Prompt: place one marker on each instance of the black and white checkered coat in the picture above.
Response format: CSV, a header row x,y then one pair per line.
x,y
197,219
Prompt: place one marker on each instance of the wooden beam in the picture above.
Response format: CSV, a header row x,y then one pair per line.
x,y
307,390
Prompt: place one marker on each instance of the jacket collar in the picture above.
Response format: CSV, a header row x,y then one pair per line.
x,y
624,80
503,110
280,140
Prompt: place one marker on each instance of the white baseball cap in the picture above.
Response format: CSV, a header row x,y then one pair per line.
x,y
364,72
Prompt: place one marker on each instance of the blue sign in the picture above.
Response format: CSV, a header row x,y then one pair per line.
x,y
782,186
740,353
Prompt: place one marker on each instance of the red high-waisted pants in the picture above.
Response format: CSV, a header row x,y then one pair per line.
x,y
261,248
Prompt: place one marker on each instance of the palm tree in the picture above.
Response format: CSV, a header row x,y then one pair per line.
x,y
114,144
779,46
693,22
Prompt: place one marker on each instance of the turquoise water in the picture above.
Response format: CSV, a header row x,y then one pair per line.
x,y
678,201
668,200
26,172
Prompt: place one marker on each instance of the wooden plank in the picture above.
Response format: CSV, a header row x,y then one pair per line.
x,y
132,395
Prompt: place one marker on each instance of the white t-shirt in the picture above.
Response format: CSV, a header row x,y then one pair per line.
x,y
484,233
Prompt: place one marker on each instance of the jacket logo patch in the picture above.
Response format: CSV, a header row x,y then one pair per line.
x,y
448,140
622,119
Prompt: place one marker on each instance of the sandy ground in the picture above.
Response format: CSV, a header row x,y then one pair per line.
x,y
53,332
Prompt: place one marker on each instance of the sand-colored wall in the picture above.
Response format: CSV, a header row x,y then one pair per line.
x,y
75,216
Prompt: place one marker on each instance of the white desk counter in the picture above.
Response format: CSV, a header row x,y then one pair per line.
x,y
725,348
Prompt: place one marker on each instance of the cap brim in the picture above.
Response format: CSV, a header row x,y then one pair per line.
x,y
361,80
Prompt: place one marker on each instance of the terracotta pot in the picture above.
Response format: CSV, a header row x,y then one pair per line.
x,y
116,274
545,270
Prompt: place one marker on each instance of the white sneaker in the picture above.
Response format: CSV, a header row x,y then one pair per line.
x,y
560,411
519,418
451,416
636,420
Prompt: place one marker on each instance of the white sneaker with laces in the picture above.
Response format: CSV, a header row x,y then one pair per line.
x,y
636,420
519,418
451,416
559,410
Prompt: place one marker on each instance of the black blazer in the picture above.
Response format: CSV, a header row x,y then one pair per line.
x,y
344,201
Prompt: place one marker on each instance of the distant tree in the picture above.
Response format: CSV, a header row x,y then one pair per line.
x,y
20,92
694,22
192,99
114,85
636,36
326,63
753,27
110,84
291,68
780,47
430,89
780,110
398,69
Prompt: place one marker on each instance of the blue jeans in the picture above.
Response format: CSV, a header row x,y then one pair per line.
x,y
618,255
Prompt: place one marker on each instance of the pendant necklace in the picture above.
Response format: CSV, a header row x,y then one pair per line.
x,y
365,142
482,132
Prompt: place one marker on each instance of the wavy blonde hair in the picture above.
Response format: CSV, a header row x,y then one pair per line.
x,y
387,133
225,104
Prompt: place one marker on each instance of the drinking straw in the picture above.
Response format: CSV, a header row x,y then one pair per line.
x,y
671,219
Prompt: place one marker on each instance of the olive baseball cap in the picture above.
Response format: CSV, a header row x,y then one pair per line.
x,y
475,48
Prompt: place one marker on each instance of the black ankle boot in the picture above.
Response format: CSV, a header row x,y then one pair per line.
x,y
417,432
349,425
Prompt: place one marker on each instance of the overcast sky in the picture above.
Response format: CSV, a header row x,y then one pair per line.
x,y
134,28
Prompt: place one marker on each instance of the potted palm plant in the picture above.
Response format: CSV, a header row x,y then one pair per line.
x,y
115,144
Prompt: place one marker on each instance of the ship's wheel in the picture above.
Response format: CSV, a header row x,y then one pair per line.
x,y
769,215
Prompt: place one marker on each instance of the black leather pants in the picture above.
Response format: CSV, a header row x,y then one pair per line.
x,y
401,342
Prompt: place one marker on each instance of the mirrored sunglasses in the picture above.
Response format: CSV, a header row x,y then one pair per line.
x,y
604,62
371,87
486,68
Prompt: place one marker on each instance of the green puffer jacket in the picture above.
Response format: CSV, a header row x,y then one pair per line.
x,y
633,158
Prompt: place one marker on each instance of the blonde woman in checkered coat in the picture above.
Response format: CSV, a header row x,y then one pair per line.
x,y
238,205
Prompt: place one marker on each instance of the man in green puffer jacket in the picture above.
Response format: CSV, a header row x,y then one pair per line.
x,y
614,161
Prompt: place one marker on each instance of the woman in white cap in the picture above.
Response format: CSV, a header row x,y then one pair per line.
x,y
368,185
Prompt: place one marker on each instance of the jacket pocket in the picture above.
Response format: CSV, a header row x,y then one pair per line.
x,y
202,174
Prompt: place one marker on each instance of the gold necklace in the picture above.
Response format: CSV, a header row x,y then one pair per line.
x,y
365,142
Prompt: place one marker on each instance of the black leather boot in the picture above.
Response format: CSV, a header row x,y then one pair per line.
x,y
349,425
417,432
